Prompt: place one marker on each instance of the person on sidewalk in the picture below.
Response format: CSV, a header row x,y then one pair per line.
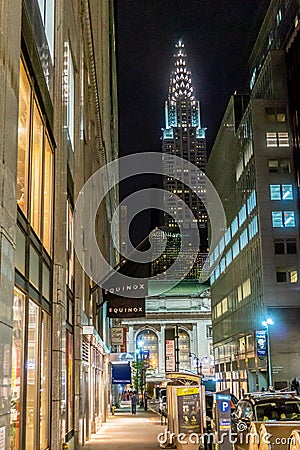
x,y
134,402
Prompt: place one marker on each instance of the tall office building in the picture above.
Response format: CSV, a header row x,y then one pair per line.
x,y
253,170
183,137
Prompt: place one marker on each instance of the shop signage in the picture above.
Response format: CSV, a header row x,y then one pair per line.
x,y
170,355
121,373
261,343
122,307
129,356
117,336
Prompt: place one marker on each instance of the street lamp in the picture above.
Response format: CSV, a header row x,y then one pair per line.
x,y
140,370
198,363
266,324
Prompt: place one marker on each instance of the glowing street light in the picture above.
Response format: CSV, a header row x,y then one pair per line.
x,y
266,323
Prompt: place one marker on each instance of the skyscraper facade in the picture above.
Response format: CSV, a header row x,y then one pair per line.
x,y
255,285
183,136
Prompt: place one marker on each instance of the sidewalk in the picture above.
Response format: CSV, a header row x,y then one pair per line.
x,y
123,431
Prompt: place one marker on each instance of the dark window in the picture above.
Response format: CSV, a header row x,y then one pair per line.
x,y
281,277
291,247
279,247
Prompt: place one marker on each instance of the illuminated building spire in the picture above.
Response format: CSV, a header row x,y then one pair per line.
x,y
181,108
180,80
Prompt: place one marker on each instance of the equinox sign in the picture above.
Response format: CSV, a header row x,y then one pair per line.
x,y
98,186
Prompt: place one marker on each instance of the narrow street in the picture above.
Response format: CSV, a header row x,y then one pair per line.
x,y
127,432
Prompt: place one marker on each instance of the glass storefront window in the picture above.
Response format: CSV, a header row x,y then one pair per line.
x,y
32,388
17,369
20,251
23,140
46,282
36,177
70,388
36,170
70,247
34,262
45,382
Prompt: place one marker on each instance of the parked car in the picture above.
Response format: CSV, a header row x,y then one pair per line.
x,y
272,416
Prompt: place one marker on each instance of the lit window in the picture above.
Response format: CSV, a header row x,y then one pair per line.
x,y
271,140
275,192
246,288
240,293
275,114
289,219
293,276
244,238
251,202
277,139
35,163
283,219
253,227
277,221
228,258
281,192
242,215
283,139
235,249
227,236
287,192
234,226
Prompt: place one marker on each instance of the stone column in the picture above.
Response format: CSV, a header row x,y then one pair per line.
x,y
162,350
10,43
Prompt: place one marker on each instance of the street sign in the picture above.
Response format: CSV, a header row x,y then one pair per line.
x,y
224,405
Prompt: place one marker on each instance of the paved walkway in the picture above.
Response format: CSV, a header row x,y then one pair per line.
x,y
123,431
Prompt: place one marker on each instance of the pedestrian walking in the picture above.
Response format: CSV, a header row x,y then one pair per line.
x,y
134,402
295,385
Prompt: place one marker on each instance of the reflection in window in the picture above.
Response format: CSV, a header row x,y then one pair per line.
x,y
70,375
184,350
20,251
45,382
23,140
34,265
150,342
30,118
32,394
17,365
36,170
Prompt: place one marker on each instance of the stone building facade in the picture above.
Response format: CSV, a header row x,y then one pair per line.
x,y
58,124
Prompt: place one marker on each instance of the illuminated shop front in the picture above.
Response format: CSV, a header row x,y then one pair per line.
x,y
32,304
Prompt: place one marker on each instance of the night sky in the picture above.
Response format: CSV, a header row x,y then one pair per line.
x,y
218,37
